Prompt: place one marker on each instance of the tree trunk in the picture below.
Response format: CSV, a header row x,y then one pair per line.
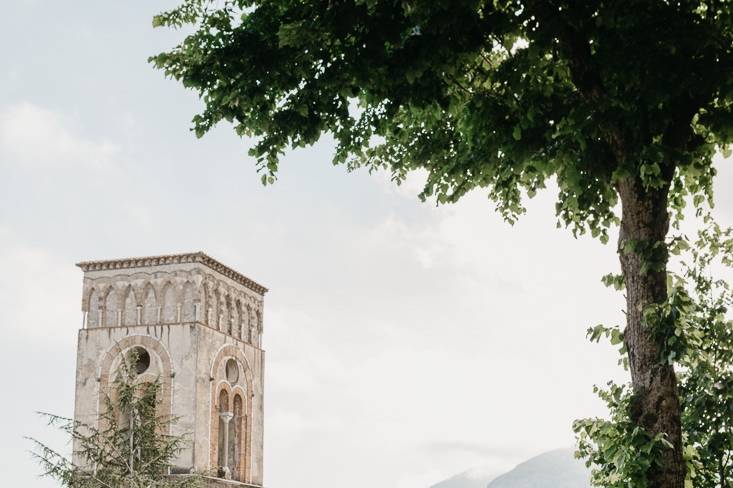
x,y
656,405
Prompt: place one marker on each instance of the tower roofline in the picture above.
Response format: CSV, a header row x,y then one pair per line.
x,y
194,257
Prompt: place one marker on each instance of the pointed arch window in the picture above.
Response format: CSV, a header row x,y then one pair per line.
x,y
150,307
129,308
93,309
187,310
110,309
170,307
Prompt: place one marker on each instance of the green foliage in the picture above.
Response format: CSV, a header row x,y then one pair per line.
x,y
499,95
619,450
654,254
614,280
127,447
696,334
706,387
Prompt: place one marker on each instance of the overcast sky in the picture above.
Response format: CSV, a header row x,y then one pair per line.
x,y
405,342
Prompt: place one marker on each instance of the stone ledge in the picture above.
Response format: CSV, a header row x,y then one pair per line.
x,y
136,328
194,257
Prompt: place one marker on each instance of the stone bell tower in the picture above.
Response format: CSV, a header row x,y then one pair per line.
x,y
195,324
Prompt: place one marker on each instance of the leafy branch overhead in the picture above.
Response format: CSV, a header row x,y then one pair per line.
x,y
499,95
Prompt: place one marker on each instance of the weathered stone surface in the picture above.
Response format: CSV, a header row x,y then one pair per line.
x,y
192,315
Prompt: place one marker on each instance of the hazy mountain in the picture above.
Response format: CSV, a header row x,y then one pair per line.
x,y
467,479
556,469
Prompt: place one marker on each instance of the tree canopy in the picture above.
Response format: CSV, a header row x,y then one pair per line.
x,y
498,94
622,101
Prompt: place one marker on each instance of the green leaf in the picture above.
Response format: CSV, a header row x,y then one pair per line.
x,y
517,133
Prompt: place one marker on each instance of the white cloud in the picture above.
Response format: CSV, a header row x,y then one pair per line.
x,y
35,137
410,188
36,284
441,329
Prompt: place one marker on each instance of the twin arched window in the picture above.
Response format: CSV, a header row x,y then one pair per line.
x,y
231,426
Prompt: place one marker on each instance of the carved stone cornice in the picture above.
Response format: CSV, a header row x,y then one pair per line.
x,y
196,257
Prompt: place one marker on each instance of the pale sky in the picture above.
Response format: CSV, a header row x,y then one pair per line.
x,y
405,342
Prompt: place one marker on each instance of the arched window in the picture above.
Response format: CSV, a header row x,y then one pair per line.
x,y
239,428
170,307
110,308
223,401
244,320
93,309
225,417
153,361
204,312
187,311
133,400
231,418
216,310
150,306
129,310
257,329
236,319
225,313
251,325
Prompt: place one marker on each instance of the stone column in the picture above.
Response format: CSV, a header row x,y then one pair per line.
x,y
226,418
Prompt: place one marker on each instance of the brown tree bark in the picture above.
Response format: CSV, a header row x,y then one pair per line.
x,y
656,406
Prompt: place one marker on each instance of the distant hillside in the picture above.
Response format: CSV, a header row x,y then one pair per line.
x,y
467,479
556,469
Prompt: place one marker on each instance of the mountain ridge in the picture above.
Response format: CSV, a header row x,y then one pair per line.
x,y
556,469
